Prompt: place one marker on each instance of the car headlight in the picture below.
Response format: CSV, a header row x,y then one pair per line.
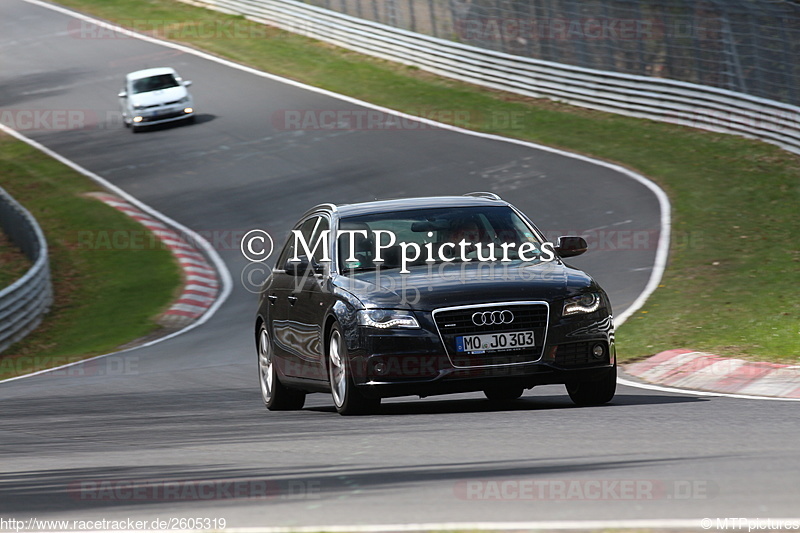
x,y
387,318
585,303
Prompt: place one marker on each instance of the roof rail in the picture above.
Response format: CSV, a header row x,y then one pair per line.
x,y
483,194
321,207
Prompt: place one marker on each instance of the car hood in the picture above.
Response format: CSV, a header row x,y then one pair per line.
x,y
427,288
158,97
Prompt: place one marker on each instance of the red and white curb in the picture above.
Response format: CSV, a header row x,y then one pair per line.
x,y
201,285
702,371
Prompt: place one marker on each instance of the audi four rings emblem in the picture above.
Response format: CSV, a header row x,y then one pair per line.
x,y
493,318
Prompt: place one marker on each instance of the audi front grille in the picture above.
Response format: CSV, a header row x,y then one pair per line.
x,y
454,322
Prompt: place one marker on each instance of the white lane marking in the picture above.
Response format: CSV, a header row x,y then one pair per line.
x,y
664,238
648,386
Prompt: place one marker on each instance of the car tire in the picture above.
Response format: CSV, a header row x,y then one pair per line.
x,y
346,397
503,393
598,392
276,396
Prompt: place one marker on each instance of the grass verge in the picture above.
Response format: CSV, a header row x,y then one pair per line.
x,y
13,263
731,284
104,296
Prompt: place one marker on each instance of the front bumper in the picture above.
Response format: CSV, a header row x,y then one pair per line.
x,y
386,363
161,117
449,382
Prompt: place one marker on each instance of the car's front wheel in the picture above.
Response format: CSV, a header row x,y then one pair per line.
x,y
277,397
346,398
594,392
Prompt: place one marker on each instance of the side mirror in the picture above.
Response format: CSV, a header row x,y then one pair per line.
x,y
303,266
571,246
187,83
123,94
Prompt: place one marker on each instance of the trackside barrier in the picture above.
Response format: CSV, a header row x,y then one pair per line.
x,y
660,99
24,302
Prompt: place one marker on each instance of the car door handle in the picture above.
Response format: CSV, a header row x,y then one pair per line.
x,y
272,298
292,299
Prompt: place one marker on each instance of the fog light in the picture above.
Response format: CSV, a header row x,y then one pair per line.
x,y
188,110
137,119
598,351
380,368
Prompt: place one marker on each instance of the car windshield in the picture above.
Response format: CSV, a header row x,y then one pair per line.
x,y
440,235
154,83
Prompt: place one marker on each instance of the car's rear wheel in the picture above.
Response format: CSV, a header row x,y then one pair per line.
x,y
503,393
346,398
277,397
595,392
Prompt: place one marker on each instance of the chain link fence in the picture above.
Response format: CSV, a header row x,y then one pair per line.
x,y
748,46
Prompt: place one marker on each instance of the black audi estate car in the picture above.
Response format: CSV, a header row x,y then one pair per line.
x,y
428,296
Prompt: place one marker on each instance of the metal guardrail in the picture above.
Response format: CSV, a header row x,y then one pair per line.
x,y
661,99
24,302
748,46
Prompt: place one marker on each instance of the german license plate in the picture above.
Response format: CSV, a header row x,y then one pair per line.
x,y
495,341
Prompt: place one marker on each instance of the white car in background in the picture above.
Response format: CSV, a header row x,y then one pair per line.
x,y
155,96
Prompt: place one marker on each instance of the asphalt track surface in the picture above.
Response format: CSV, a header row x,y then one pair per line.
x,y
187,413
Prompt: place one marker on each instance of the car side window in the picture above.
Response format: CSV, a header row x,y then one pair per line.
x,y
321,225
311,230
286,253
